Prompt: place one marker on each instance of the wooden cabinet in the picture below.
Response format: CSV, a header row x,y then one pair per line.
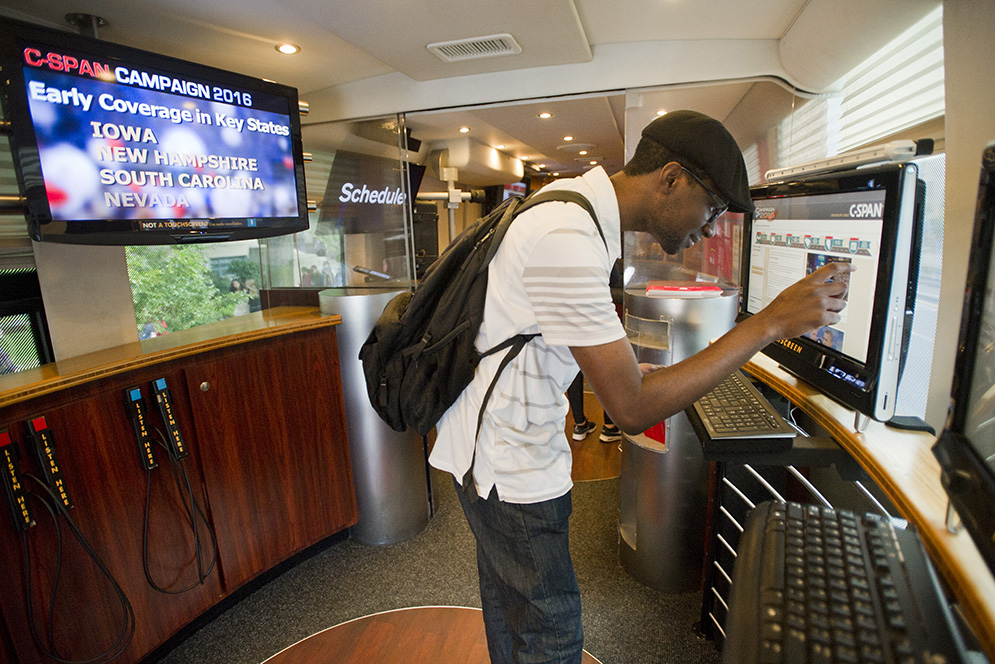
x,y
108,487
263,422
270,425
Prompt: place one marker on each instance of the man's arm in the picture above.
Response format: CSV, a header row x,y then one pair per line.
x,y
637,402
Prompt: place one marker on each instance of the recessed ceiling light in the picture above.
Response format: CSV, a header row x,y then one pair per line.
x,y
582,152
542,165
661,112
525,157
556,175
288,49
500,147
545,116
568,138
464,130
593,162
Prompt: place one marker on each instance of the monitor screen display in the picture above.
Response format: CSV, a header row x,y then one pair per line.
x,y
118,146
979,411
974,399
794,236
966,448
862,217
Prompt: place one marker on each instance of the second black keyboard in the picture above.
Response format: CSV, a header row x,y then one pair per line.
x,y
817,585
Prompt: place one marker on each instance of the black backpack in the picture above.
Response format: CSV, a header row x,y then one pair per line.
x,y
420,355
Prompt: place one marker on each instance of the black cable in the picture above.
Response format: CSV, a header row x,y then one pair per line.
x,y
55,508
56,577
192,509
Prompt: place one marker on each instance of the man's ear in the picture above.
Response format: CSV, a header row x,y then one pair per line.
x,y
669,174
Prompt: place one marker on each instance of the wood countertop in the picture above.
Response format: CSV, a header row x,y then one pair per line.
x,y
71,372
903,466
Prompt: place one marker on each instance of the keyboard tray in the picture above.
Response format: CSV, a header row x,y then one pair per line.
x,y
735,417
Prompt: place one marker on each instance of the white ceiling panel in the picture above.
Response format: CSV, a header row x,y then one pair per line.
x,y
594,123
238,37
380,45
622,21
549,32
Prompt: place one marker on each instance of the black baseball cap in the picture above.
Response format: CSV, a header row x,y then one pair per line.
x,y
709,146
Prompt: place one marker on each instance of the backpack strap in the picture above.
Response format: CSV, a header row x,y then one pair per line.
x,y
521,205
517,342
564,196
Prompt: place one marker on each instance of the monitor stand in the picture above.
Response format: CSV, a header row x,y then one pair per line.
x,y
910,423
860,422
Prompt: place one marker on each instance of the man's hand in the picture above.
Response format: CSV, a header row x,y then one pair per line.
x,y
637,396
809,304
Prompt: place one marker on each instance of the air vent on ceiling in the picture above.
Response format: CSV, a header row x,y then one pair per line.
x,y
475,48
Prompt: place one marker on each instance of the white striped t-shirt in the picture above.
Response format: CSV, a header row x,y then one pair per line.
x,y
550,275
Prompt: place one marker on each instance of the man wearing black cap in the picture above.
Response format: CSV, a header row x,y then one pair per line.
x,y
550,276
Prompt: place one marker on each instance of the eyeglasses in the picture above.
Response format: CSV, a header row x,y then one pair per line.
x,y
719,206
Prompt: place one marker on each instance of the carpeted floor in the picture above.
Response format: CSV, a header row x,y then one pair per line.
x,y
624,621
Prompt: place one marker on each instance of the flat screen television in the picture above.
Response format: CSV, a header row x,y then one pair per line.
x,y
113,145
966,447
867,217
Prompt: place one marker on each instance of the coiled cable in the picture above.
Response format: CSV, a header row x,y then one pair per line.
x,y
193,512
48,647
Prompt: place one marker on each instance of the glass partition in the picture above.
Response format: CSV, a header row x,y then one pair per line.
x,y
359,235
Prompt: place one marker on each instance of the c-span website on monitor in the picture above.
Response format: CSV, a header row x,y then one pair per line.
x,y
793,237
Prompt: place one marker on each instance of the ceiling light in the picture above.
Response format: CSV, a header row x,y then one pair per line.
x,y
546,115
542,165
500,147
288,49
661,112
573,147
464,130
568,138
556,175
593,162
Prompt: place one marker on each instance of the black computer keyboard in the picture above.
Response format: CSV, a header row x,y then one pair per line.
x,y
813,584
735,410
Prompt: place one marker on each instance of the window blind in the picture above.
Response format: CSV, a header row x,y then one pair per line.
x,y
751,156
899,87
810,132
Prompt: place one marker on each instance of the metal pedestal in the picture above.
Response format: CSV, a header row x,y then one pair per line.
x,y
389,469
664,477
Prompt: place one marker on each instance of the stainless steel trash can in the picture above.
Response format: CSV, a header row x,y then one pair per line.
x,y
664,477
389,469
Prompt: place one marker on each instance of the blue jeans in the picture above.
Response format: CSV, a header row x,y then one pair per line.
x,y
528,588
